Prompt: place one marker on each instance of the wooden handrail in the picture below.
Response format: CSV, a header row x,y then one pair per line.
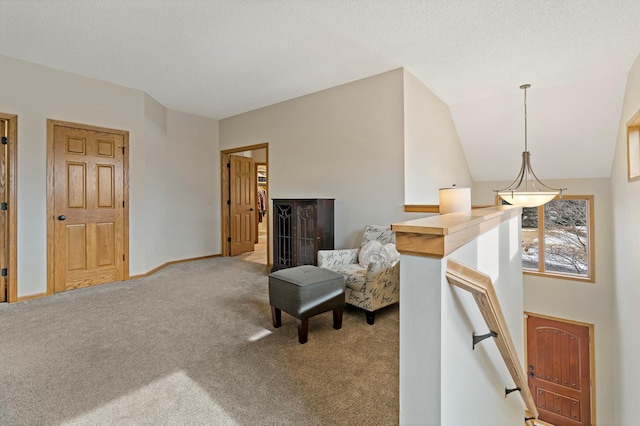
x,y
481,287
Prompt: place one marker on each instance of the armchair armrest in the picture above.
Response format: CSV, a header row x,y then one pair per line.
x,y
382,276
337,257
375,268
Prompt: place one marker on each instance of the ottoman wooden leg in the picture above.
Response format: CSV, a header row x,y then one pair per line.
x,y
276,316
303,330
337,318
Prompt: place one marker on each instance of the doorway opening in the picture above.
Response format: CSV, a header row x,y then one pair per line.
x,y
560,367
245,203
262,228
8,208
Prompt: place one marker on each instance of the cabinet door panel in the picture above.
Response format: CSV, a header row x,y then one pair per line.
x,y
301,227
306,235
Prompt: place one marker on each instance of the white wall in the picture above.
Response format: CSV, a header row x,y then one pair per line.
x,y
36,93
433,156
590,303
344,143
626,312
193,184
259,155
155,193
374,145
443,381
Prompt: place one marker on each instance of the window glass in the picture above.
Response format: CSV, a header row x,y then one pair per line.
x,y
566,237
530,238
557,238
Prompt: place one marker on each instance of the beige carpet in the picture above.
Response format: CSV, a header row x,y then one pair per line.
x,y
192,345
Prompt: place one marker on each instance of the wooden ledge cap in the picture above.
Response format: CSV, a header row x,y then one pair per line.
x,y
438,236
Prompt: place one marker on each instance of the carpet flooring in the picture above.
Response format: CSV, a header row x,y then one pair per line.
x,y
192,344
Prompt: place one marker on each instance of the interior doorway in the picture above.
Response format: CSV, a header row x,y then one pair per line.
x,y
232,198
8,207
560,369
262,210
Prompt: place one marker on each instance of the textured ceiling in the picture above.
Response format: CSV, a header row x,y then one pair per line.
x,y
220,58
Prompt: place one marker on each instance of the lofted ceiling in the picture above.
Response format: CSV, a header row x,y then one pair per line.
x,y
219,58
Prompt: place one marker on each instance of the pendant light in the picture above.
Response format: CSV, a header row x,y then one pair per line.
x,y
535,193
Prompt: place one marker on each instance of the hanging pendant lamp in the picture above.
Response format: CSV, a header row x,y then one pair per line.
x,y
535,193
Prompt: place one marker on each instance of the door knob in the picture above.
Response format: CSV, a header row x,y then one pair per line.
x,y
251,209
531,374
62,217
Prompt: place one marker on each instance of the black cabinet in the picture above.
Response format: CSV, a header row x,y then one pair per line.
x,y
301,227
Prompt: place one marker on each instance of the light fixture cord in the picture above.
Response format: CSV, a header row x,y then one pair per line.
x,y
525,119
526,171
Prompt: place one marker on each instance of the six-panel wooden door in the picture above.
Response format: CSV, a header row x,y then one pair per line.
x,y
242,198
89,205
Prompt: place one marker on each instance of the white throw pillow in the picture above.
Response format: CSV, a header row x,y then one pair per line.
x,y
390,253
371,250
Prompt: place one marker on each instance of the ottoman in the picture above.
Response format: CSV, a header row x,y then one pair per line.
x,y
305,291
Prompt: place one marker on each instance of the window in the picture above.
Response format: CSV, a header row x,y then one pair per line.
x,y
633,148
557,239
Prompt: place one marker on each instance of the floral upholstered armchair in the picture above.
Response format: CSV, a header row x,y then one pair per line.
x,y
372,272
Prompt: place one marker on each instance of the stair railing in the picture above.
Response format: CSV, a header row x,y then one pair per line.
x,y
482,290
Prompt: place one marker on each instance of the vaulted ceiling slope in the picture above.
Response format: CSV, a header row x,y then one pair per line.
x,y
218,58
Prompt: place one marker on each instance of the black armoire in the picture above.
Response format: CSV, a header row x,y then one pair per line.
x,y
301,227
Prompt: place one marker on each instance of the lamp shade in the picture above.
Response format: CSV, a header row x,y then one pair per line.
x,y
527,199
454,200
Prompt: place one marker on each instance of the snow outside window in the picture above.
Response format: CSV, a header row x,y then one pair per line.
x,y
557,238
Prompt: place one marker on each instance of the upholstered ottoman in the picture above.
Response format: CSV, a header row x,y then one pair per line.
x,y
305,291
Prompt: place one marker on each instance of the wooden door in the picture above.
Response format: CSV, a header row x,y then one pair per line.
x,y
89,228
242,195
4,223
559,371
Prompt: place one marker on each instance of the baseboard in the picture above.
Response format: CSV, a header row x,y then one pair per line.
x,y
39,295
30,297
164,265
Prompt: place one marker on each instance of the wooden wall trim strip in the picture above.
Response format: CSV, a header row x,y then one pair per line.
x,y
50,210
422,208
433,208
